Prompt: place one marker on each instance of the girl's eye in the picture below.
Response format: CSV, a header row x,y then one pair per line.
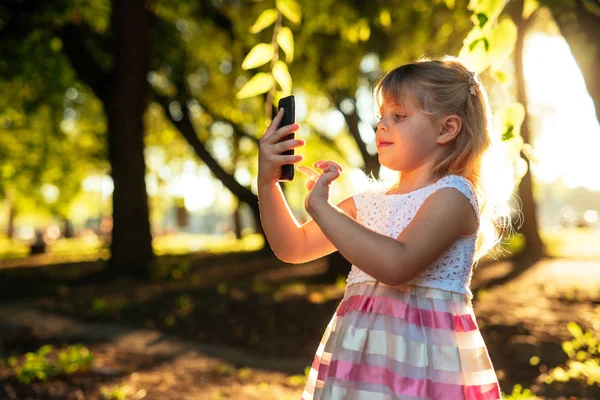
x,y
399,116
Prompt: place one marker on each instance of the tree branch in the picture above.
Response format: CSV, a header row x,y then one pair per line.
x,y
82,61
237,129
184,125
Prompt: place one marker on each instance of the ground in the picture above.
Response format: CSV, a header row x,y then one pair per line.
x,y
248,329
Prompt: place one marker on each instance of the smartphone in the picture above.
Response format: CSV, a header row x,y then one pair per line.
x,y
289,117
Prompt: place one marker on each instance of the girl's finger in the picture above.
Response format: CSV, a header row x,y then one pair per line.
x,y
292,159
324,164
311,173
310,184
280,133
287,145
273,127
329,176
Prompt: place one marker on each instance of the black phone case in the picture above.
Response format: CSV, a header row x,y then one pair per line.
x,y
289,117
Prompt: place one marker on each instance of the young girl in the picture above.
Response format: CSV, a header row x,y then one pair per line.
x,y
405,328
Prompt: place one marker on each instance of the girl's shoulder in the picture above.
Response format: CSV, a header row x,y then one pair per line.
x,y
460,183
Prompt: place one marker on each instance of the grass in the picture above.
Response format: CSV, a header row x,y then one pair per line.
x,y
561,242
572,242
92,248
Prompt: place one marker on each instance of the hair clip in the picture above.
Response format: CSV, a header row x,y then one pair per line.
x,y
473,81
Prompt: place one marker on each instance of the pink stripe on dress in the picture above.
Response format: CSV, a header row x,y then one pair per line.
x,y
316,363
413,315
424,388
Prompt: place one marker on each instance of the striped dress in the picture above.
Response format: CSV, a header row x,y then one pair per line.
x,y
415,341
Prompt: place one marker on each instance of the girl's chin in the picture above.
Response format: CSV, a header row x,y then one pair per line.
x,y
388,165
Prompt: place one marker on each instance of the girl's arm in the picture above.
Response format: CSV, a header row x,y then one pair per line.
x,y
290,242
443,218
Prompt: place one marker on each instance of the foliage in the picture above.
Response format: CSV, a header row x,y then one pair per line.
x,y
43,364
263,53
519,393
51,130
117,392
584,358
202,55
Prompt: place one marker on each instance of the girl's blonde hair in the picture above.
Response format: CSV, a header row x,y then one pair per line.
x,y
445,87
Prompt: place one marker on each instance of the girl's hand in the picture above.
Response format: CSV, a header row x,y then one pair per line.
x,y
270,158
318,184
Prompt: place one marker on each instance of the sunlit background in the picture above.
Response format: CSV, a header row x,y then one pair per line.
x,y
566,132
186,199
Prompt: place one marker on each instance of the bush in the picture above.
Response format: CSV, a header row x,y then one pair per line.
x,y
42,366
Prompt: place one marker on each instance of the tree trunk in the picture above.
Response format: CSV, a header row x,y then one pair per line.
x,y
131,244
68,232
10,229
534,248
237,221
371,161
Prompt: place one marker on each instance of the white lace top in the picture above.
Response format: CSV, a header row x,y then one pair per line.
x,y
389,214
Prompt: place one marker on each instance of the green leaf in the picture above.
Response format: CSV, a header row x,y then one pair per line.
x,y
491,8
498,44
574,329
260,83
283,77
568,349
290,9
501,76
529,152
264,20
450,4
285,39
385,18
509,119
260,54
474,43
486,43
482,18
364,31
508,133
502,41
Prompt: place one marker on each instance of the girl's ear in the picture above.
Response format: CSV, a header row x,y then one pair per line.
x,y
451,126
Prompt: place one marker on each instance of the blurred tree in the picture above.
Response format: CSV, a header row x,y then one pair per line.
x,y
107,45
499,32
534,247
51,133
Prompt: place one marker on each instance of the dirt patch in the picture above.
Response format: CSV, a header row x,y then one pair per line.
x,y
253,338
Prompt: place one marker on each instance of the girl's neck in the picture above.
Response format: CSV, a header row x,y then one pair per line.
x,y
411,181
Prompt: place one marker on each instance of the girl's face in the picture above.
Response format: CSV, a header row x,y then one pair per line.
x,y
406,137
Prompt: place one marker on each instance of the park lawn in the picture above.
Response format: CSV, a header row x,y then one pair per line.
x,y
561,242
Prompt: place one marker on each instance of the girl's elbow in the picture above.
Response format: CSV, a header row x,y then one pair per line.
x,y
394,280
393,277
283,256
288,257
397,275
